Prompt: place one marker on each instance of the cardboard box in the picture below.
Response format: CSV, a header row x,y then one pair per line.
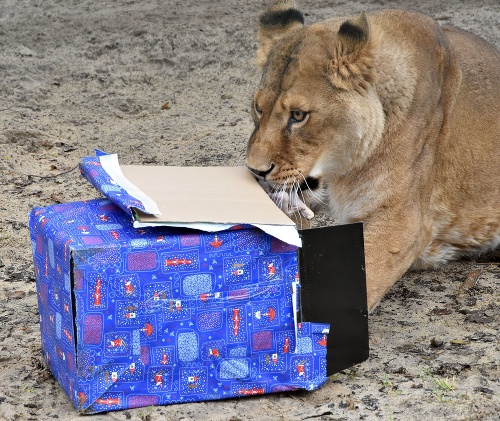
x,y
139,316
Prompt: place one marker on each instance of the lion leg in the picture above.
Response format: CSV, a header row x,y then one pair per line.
x,y
390,250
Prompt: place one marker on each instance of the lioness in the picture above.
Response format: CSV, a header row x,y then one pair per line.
x,y
392,120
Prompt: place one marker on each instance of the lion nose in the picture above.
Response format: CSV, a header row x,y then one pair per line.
x,y
259,173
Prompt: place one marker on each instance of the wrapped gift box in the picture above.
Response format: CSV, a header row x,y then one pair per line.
x,y
135,315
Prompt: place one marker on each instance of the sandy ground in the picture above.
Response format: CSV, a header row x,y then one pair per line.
x,y
169,82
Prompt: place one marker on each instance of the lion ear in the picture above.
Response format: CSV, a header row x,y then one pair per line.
x,y
280,18
352,64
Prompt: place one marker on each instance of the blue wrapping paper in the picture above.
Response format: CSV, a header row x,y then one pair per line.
x,y
153,316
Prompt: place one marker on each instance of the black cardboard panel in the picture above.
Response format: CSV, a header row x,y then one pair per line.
x,y
333,290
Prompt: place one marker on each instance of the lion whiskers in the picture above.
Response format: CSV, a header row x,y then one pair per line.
x,y
290,198
297,188
311,192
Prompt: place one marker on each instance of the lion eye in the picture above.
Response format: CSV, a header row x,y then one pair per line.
x,y
297,116
258,110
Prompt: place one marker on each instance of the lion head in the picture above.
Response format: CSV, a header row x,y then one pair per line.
x,y
391,118
317,115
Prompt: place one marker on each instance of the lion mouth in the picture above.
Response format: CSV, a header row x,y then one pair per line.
x,y
291,197
307,183
301,183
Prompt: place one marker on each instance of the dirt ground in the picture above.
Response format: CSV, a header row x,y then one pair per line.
x,y
169,82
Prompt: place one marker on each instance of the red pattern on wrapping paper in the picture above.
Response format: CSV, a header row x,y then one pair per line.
x,y
239,294
141,401
144,357
78,277
143,260
39,244
92,329
262,340
284,388
44,293
190,240
69,361
69,211
111,207
92,240
278,246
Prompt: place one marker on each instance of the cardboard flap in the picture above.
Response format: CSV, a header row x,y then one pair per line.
x,y
333,290
206,198
227,195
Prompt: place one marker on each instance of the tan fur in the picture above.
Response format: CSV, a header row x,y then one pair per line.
x,y
268,35
403,133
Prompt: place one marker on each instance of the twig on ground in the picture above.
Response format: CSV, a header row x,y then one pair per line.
x,y
47,177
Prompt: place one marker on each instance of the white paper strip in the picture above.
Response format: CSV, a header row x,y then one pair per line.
x,y
203,226
285,233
